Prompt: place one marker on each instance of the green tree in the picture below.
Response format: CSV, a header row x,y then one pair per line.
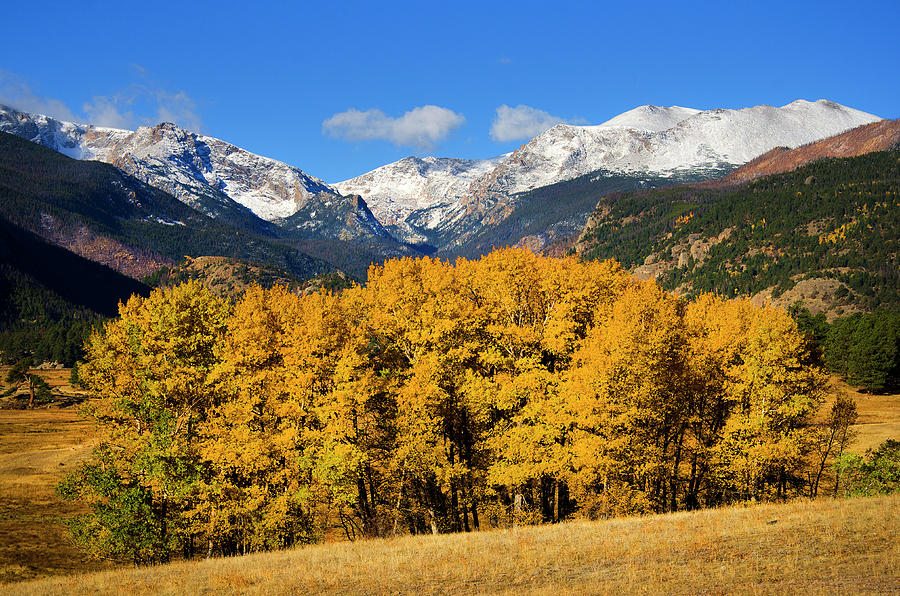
x,y
151,370
20,375
875,474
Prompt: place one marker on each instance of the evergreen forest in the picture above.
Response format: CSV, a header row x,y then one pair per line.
x,y
833,218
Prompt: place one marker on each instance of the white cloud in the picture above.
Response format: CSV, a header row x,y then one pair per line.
x,y
521,122
106,111
140,105
421,127
178,108
16,94
136,105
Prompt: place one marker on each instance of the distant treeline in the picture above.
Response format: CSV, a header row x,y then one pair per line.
x,y
864,348
439,398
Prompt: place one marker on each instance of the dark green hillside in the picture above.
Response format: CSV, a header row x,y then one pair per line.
x,y
55,196
835,219
50,297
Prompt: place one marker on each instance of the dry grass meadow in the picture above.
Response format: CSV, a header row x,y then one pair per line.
x,y
821,547
817,547
37,447
879,418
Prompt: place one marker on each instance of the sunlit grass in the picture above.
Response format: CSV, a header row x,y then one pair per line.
x,y
825,546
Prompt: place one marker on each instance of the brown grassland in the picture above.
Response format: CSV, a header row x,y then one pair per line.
x,y
37,448
818,547
823,546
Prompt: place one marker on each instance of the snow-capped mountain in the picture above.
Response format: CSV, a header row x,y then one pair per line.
x,y
646,141
442,202
635,142
699,141
652,118
212,176
429,187
180,162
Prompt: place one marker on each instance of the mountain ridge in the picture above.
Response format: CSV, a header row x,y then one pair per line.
x,y
424,205
256,194
642,142
193,164
96,210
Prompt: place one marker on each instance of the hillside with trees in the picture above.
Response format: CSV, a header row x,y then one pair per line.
x,y
826,232
51,298
228,277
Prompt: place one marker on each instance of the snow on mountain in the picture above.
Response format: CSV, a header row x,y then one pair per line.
x,y
416,185
440,194
652,118
702,141
432,200
183,163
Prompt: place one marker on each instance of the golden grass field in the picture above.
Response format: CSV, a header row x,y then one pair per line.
x,y
818,547
37,447
823,546
879,418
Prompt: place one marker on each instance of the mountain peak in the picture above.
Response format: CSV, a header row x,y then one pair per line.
x,y
204,172
651,117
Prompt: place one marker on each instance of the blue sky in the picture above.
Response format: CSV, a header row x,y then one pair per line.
x,y
339,90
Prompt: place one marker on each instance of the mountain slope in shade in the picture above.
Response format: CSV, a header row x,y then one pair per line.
x,y
100,213
202,171
877,136
32,266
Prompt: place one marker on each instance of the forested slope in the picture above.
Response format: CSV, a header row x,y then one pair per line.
x,y
50,297
828,230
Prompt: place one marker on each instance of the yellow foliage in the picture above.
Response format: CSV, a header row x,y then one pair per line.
x,y
513,387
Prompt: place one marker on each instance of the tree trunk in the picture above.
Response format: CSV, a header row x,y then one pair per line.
x,y
518,503
434,528
454,507
815,488
397,506
556,501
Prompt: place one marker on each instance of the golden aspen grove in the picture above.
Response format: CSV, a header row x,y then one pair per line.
x,y
439,397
